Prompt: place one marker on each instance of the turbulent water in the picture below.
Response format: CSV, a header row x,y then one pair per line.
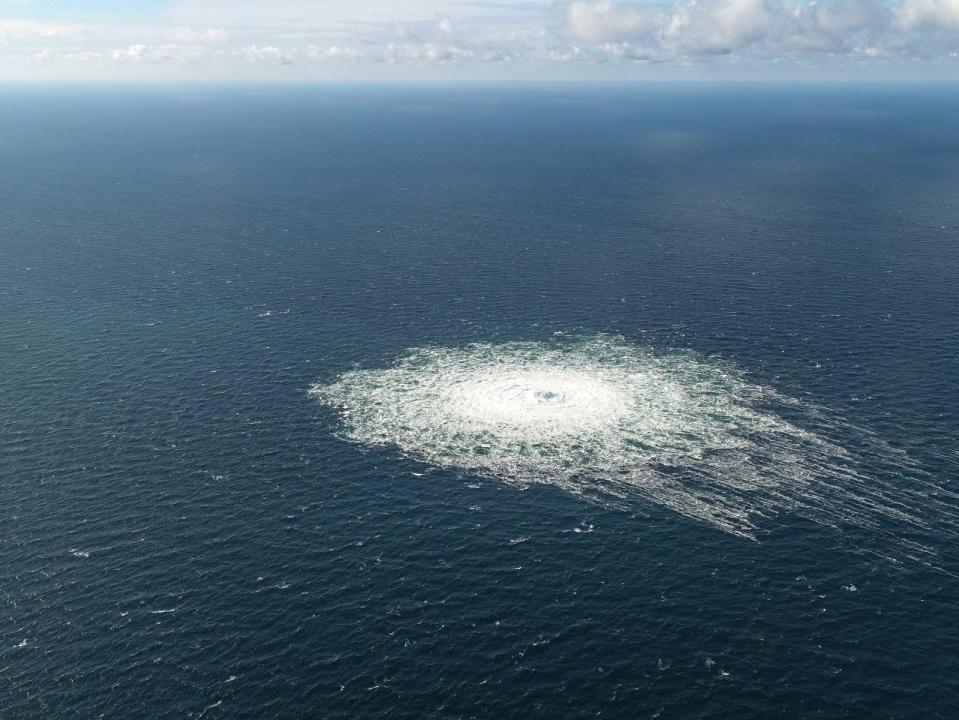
x,y
508,404
603,419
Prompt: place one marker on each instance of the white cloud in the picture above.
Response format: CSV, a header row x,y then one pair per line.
x,y
133,53
767,30
424,52
45,56
547,38
929,14
720,26
332,52
263,54
700,28
606,20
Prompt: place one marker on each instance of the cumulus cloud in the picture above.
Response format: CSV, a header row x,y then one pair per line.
x,y
135,53
330,53
703,27
263,54
299,37
766,30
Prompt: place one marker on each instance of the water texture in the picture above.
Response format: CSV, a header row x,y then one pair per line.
x,y
479,403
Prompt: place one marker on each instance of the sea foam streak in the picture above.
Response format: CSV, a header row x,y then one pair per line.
x,y
615,423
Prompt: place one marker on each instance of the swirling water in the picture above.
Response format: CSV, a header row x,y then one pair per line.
x,y
479,403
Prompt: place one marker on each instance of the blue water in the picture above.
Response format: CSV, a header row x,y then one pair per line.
x,y
186,532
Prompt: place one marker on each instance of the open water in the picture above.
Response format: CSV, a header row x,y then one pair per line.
x,y
540,402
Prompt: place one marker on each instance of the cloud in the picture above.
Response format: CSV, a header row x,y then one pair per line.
x,y
767,30
330,53
25,31
603,21
189,36
310,13
713,27
721,26
546,38
263,54
132,53
932,14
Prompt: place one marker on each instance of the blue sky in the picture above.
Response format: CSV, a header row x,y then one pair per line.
x,y
495,40
83,10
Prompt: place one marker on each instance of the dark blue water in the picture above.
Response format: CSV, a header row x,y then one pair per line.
x,y
183,533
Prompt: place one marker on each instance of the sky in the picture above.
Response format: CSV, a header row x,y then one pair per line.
x,y
483,40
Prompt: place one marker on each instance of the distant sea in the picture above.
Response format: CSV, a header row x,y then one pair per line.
x,y
186,531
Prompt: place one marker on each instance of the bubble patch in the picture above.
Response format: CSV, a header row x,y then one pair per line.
x,y
618,424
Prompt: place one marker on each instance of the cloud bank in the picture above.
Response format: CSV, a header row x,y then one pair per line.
x,y
412,39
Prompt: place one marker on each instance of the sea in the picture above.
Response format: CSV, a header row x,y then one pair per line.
x,y
532,401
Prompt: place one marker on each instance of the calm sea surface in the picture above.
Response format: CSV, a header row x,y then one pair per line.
x,y
186,532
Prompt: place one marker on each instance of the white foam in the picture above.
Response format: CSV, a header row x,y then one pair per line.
x,y
616,423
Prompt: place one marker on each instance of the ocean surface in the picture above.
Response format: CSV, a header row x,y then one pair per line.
x,y
540,402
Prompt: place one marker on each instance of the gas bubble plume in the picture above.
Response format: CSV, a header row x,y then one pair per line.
x,y
620,424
